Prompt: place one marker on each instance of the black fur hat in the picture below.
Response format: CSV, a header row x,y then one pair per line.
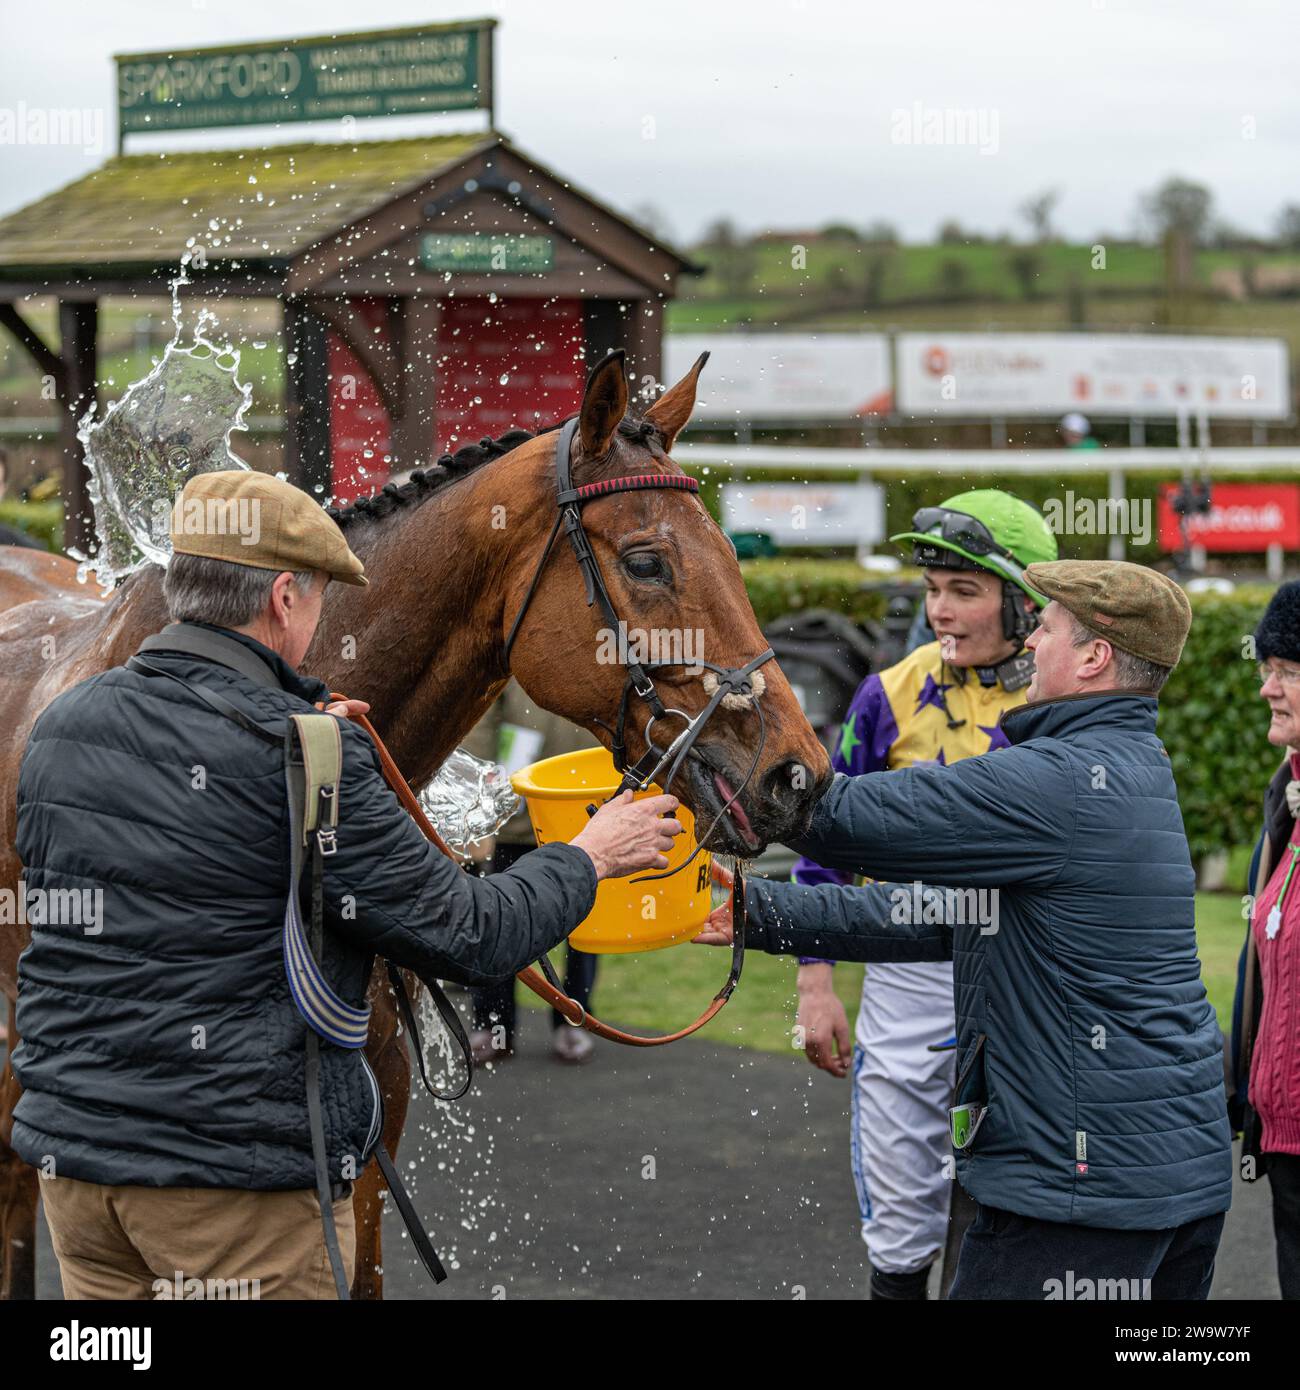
x,y
1278,633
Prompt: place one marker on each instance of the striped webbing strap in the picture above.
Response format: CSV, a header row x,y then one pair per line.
x,y
313,823
637,482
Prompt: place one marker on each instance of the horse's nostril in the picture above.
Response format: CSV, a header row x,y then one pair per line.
x,y
789,782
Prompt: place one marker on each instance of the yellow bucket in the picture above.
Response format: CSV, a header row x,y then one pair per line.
x,y
627,916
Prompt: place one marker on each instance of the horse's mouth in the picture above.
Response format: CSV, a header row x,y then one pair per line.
x,y
732,830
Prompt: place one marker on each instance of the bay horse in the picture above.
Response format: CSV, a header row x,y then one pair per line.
x,y
450,556
27,574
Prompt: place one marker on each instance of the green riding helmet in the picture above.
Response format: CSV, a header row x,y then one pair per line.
x,y
986,530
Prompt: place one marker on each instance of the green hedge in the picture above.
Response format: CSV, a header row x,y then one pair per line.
x,y
1215,725
905,493
1212,719
782,586
43,521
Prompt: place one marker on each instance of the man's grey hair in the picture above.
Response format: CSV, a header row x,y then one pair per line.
x,y
1131,672
202,590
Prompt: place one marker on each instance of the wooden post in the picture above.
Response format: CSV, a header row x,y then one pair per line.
x,y
643,338
413,329
307,458
604,327
78,323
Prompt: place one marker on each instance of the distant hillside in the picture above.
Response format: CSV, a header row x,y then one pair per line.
x,y
829,281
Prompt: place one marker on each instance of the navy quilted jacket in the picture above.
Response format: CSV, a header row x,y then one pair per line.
x,y
1082,1022
162,1048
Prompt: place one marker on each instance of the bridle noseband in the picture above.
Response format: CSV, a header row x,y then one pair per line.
x,y
732,680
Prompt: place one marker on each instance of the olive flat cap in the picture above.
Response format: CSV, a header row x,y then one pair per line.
x,y
1135,608
254,519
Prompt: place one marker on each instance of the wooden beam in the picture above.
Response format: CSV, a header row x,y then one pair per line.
x,y
48,362
78,324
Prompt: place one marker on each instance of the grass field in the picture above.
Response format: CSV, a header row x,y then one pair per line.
x,y
663,990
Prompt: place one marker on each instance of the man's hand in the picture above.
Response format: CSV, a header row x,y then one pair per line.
x,y
822,1019
345,709
625,836
717,930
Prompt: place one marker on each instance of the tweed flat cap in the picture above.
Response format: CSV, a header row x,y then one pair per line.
x,y
254,519
1135,608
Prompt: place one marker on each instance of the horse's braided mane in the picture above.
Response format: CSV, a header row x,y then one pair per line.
x,y
424,482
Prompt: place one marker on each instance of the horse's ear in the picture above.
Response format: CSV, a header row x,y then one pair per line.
x,y
604,403
673,409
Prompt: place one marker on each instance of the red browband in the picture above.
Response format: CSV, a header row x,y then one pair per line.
x,y
635,484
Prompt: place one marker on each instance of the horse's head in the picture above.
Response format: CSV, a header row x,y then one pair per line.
x,y
676,588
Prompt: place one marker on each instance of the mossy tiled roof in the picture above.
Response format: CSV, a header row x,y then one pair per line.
x,y
269,203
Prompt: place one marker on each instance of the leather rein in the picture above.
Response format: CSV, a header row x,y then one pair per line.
x,y
648,769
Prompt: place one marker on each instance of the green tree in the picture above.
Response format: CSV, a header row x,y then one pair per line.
x,y
1026,265
1181,206
1288,227
952,278
1037,211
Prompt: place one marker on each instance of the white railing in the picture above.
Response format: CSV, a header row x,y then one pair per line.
x,y
794,460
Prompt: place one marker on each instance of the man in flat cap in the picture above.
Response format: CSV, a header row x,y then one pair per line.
x,y
1088,1119
164,1060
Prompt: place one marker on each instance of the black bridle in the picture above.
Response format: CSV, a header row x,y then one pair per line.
x,y
732,680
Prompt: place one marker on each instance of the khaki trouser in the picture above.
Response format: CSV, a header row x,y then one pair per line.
x,y
147,1242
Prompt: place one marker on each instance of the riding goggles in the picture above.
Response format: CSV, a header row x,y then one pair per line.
x,y
959,529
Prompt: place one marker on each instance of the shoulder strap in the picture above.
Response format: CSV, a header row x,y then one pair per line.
x,y
322,770
312,786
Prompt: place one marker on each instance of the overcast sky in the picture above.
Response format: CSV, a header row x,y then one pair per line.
x,y
789,113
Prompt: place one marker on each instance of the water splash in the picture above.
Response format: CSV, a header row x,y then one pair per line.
x,y
469,799
166,427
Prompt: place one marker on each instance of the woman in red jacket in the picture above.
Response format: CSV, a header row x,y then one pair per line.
x,y
1269,1037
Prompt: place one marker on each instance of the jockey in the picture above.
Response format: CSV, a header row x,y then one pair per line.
x,y
939,704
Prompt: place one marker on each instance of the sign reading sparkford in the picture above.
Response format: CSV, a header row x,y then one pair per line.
x,y
441,67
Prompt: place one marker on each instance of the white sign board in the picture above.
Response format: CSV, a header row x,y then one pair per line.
x,y
848,514
783,376
1128,374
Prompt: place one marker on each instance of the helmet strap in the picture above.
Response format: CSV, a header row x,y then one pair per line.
x,y
1017,621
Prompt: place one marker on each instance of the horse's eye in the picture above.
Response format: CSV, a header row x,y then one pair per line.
x,y
645,564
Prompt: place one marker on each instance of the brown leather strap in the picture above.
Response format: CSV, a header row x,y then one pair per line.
x,y
568,1008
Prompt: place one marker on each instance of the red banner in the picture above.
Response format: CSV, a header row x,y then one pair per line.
x,y
1243,517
